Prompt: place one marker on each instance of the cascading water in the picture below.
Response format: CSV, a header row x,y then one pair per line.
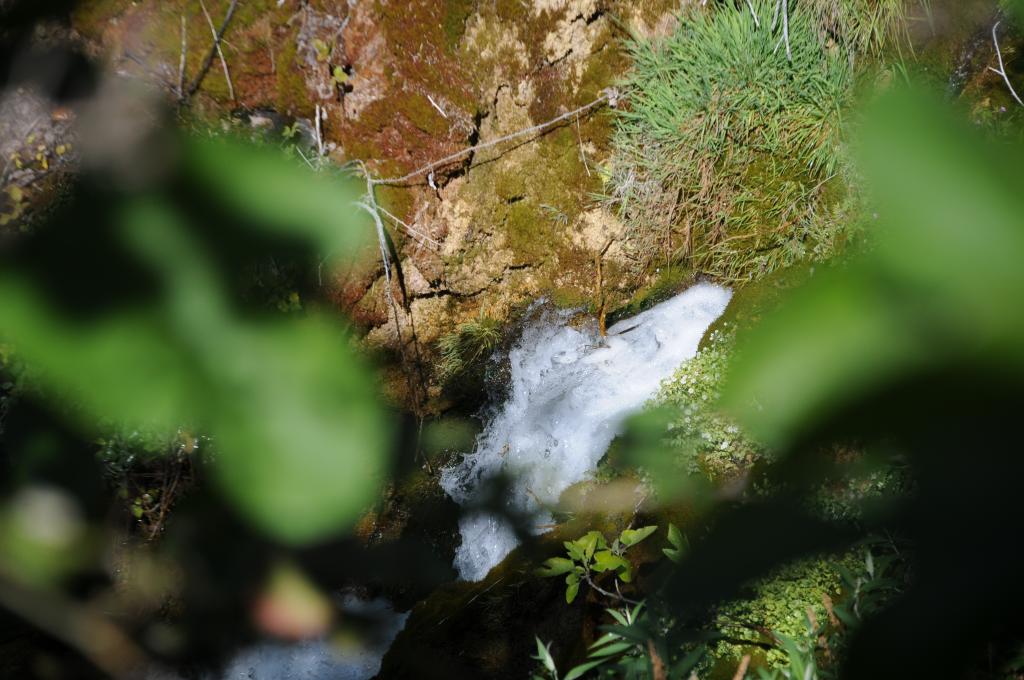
x,y
319,659
569,392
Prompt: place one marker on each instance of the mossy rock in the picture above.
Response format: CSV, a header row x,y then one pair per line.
x,y
665,283
754,300
487,629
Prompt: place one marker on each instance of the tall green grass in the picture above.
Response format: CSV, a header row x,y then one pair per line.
x,y
863,26
727,146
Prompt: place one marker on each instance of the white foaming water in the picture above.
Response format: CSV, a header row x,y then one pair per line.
x,y
318,659
569,393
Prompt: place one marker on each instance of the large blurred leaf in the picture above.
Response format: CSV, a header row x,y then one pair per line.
x,y
279,196
299,435
934,289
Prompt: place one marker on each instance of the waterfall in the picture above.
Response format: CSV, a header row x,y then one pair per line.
x,y
569,392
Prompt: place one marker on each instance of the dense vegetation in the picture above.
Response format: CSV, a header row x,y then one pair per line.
x,y
196,454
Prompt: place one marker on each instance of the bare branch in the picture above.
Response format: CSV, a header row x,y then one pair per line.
x,y
609,97
1002,68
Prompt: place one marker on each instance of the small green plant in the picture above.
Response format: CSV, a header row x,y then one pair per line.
x,y
680,544
339,75
591,555
323,49
551,671
706,441
870,588
626,650
555,214
467,346
801,662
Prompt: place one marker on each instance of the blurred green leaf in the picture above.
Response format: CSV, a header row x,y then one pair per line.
x,y
933,290
299,435
43,537
279,196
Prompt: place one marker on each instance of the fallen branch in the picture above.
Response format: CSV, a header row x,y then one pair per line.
x,y
610,97
214,49
1002,68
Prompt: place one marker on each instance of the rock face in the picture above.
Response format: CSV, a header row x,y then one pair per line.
x,y
403,83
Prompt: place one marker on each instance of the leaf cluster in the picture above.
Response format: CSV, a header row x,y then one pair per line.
x,y
592,555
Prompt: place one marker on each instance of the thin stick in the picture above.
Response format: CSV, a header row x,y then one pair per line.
x,y
583,154
220,53
757,22
369,204
208,61
415,233
319,130
1002,67
741,671
607,97
181,64
619,596
436,106
785,28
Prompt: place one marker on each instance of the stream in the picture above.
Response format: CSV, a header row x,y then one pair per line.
x,y
570,391
323,659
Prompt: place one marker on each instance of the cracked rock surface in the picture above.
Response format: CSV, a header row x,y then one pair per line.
x,y
423,79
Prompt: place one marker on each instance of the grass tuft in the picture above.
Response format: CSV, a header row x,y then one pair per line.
x,y
728,149
863,26
469,344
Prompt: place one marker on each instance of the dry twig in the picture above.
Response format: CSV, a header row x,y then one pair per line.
x,y
609,97
181,63
1002,68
